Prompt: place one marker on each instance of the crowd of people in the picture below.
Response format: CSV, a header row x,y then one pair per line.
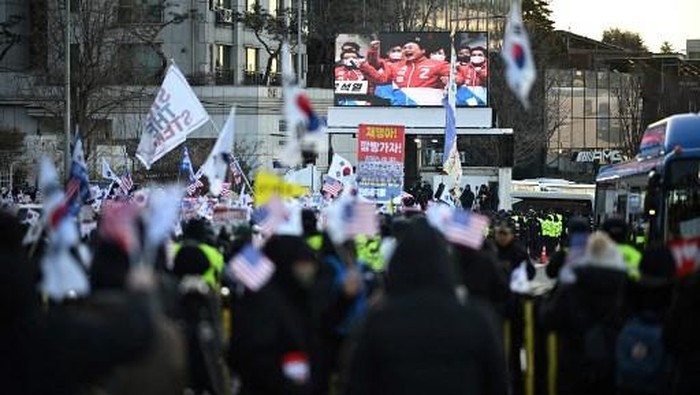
x,y
402,312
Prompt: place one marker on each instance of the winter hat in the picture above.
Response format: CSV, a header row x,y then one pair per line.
x,y
190,260
617,229
601,251
578,225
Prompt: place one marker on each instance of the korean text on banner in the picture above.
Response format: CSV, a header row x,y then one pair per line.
x,y
176,112
380,161
268,185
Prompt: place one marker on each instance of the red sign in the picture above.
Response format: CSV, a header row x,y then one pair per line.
x,y
381,141
380,156
687,253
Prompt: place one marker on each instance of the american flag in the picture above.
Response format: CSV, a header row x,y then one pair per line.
x,y
225,189
192,188
236,172
252,268
332,186
126,183
359,218
466,228
270,216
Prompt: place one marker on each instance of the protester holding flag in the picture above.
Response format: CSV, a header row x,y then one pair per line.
x,y
274,348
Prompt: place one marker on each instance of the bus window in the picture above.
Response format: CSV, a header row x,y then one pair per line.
x,y
683,199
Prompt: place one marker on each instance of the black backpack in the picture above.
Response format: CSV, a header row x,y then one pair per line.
x,y
643,364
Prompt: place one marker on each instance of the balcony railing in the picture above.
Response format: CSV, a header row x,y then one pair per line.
x,y
258,78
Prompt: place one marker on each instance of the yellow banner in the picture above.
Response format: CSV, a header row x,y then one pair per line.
x,y
267,185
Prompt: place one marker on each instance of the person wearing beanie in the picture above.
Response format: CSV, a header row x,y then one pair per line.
x,y
196,255
618,230
583,313
275,342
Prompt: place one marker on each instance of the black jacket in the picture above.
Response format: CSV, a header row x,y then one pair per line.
x,y
420,339
571,311
479,271
682,334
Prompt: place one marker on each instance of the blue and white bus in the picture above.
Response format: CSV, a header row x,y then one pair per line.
x,y
658,190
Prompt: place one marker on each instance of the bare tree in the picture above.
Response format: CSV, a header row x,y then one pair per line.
x,y
115,56
629,113
557,109
8,36
271,30
414,15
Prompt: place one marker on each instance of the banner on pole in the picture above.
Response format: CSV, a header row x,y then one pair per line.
x,y
176,112
380,161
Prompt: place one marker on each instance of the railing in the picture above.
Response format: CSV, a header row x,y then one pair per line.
x,y
258,78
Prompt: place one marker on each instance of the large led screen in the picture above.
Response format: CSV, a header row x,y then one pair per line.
x,y
410,69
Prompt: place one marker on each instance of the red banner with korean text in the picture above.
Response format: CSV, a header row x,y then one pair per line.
x,y
380,161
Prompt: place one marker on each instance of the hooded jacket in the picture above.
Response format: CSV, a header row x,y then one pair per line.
x,y
573,309
420,339
276,328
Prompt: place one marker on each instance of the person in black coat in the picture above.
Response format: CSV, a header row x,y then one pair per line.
x,y
420,339
584,315
467,198
64,349
479,271
682,334
273,345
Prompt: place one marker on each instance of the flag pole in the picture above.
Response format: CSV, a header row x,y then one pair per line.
x,y
218,132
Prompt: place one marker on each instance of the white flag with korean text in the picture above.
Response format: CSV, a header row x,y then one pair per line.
x,y
176,112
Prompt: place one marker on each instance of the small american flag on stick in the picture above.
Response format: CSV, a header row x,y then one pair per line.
x,y
252,268
466,229
332,186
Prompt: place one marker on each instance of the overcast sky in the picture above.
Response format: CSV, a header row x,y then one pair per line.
x,y
656,20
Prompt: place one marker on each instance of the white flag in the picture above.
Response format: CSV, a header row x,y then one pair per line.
x,y
520,66
176,112
341,169
217,164
305,129
108,173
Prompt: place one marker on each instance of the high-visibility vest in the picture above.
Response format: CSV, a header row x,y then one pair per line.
x,y
315,242
368,251
216,263
632,259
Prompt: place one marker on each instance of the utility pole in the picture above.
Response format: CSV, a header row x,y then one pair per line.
x,y
66,87
300,5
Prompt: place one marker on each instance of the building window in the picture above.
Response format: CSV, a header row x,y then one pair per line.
x,y
222,62
223,56
274,6
226,4
140,63
251,60
140,11
273,66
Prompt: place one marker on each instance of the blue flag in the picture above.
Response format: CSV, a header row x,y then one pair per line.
x,y
78,190
186,165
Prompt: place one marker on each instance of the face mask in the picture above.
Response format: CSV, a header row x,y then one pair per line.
x,y
437,57
478,59
395,55
349,63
